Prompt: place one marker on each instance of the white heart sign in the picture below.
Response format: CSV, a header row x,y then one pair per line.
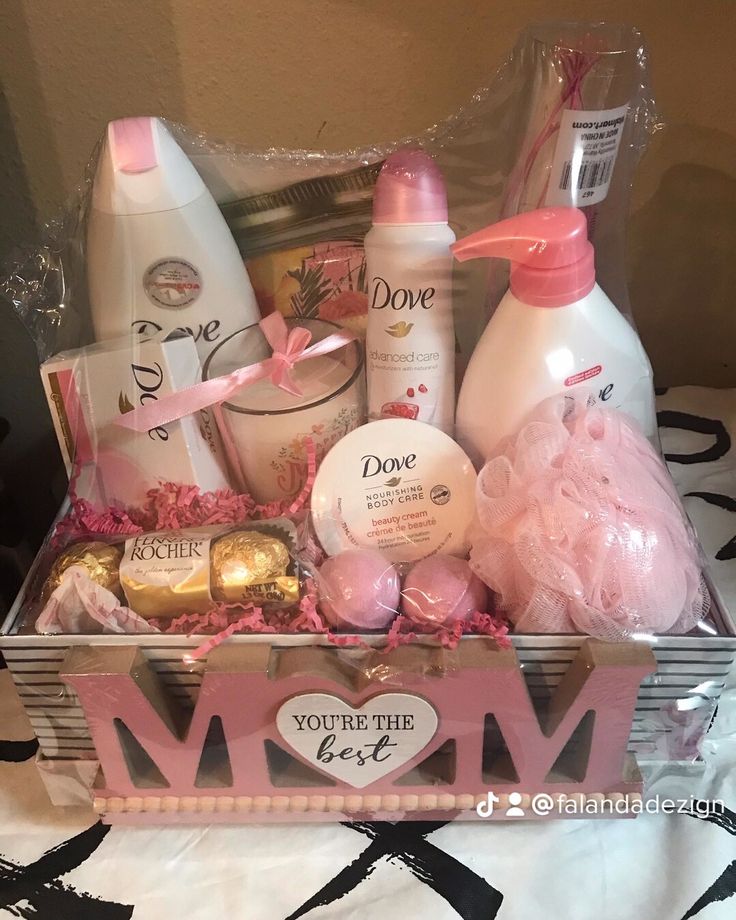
x,y
357,746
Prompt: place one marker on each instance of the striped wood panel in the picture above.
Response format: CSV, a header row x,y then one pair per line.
x,y
693,669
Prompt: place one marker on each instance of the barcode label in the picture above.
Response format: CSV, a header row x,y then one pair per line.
x,y
585,156
592,174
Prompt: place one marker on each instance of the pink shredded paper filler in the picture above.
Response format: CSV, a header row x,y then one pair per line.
x,y
173,506
403,631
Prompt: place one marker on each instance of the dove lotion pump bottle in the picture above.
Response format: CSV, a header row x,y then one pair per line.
x,y
160,256
410,344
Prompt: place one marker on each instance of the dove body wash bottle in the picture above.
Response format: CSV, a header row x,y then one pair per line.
x,y
160,255
410,344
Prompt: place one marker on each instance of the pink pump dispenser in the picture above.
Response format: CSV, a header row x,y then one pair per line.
x,y
552,261
529,352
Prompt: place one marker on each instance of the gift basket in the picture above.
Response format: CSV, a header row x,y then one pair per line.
x,y
366,514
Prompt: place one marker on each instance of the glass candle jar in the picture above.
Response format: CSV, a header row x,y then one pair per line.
x,y
268,429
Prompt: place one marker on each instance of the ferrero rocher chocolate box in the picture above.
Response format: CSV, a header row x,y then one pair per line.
x,y
163,573
159,575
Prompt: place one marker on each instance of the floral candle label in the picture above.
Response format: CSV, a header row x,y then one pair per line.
x,y
324,281
291,463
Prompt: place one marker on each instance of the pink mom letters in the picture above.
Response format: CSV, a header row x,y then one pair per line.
x,y
284,720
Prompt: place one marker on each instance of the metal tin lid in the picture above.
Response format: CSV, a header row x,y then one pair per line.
x,y
339,198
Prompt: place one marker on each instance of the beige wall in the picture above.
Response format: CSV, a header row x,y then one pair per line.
x,y
337,72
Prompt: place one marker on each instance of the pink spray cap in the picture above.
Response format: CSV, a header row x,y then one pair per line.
x,y
410,190
552,260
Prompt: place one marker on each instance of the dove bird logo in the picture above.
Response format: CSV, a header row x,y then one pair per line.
x,y
400,330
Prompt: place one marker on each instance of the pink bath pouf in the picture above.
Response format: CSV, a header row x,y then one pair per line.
x,y
442,590
358,589
580,528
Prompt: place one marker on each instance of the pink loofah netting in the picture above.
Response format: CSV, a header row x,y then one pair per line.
x,y
580,528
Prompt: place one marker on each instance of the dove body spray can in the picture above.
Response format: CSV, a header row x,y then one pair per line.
x,y
410,345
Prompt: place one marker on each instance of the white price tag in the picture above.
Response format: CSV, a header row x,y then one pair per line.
x,y
585,156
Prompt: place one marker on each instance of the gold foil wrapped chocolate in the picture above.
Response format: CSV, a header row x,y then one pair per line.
x,y
167,574
101,561
251,566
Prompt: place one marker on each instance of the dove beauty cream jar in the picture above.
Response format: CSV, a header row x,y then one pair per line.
x,y
399,486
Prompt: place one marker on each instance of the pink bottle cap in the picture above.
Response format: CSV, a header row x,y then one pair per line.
x,y
410,190
143,170
131,144
552,260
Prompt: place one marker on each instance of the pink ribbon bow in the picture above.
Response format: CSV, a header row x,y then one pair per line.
x,y
289,348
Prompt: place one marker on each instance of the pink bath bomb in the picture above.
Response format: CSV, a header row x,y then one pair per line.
x,y
440,590
358,589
